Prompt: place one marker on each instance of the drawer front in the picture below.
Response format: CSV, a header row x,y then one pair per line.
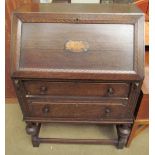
x,y
81,111
77,89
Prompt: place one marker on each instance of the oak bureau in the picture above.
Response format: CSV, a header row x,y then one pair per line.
x,y
78,63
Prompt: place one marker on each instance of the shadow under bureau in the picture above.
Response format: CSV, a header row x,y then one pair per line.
x,y
78,63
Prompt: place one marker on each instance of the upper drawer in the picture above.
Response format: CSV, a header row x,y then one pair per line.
x,y
82,89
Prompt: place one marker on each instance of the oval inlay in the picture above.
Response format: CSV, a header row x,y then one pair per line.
x,y
76,46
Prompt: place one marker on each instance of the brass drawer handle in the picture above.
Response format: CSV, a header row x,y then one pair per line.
x,y
43,89
110,91
45,109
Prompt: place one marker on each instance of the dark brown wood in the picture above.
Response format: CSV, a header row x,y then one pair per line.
x,y
33,130
85,66
80,111
92,59
77,89
78,63
64,120
79,141
123,133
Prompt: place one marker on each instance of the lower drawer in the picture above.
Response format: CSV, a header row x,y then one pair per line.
x,y
80,111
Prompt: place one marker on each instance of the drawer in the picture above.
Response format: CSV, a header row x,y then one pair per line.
x,y
80,111
83,89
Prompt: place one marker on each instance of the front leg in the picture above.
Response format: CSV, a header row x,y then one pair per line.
x,y
123,132
33,130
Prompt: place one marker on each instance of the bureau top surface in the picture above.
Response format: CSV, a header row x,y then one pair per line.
x,y
78,41
79,8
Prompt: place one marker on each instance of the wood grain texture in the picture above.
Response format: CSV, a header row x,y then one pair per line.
x,y
95,62
11,100
10,6
79,111
100,85
50,39
77,89
146,33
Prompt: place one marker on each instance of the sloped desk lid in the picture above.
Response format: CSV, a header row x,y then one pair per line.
x,y
75,41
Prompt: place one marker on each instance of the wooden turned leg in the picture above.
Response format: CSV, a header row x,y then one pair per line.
x,y
33,130
123,134
35,141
